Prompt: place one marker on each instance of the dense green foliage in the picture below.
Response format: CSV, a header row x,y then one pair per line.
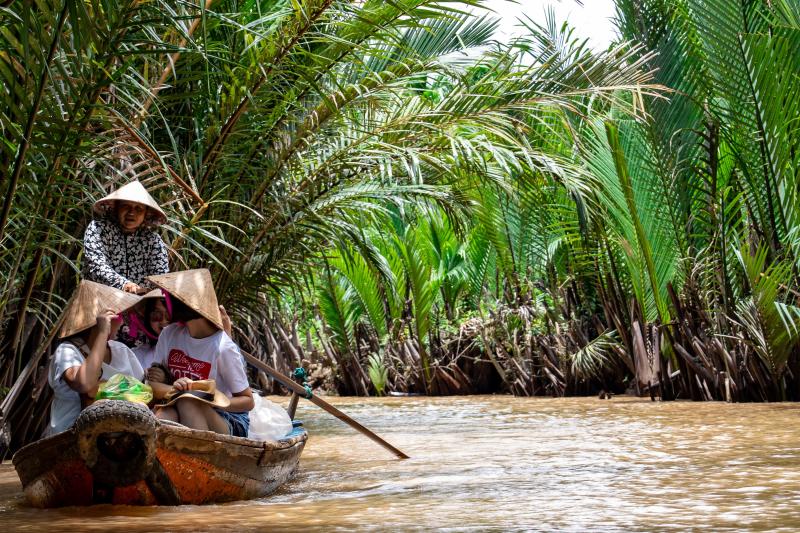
x,y
662,242
655,242
531,217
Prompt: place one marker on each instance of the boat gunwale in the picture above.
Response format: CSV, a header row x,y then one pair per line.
x,y
297,435
256,467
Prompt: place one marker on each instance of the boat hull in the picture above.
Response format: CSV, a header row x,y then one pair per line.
x,y
164,464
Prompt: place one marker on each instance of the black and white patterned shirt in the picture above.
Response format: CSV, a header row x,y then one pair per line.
x,y
113,257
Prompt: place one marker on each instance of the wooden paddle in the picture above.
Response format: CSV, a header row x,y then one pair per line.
x,y
294,387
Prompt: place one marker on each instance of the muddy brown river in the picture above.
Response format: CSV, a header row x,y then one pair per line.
x,y
497,463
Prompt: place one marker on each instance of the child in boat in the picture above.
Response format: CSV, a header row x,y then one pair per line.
x,y
197,349
87,356
153,319
121,247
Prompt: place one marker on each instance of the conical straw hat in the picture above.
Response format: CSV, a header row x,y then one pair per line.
x,y
202,391
152,295
195,289
132,192
155,293
90,300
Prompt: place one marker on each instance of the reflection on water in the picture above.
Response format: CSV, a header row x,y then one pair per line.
x,y
504,464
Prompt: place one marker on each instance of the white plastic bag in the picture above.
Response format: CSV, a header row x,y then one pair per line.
x,y
268,420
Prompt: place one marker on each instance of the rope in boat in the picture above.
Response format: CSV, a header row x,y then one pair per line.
x,y
301,376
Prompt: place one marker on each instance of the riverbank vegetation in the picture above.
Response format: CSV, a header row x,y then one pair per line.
x,y
385,192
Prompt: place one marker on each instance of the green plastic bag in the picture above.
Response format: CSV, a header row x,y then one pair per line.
x,y
122,387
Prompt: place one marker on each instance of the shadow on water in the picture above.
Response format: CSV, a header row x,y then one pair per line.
x,y
496,463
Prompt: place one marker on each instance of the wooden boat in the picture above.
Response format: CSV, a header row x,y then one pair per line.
x,y
118,452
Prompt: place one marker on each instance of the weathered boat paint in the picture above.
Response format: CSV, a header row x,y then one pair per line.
x,y
188,467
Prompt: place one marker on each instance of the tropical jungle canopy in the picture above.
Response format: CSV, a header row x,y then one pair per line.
x,y
384,191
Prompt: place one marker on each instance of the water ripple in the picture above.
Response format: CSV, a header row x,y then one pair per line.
x,y
494,463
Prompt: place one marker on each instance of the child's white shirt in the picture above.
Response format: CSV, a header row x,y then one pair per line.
x,y
215,357
146,354
66,404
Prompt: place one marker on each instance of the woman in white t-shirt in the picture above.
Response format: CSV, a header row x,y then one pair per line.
x,y
197,348
87,356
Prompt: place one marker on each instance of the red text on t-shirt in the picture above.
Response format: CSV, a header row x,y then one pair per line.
x,y
183,366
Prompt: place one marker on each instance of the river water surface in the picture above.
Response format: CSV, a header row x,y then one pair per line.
x,y
497,463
